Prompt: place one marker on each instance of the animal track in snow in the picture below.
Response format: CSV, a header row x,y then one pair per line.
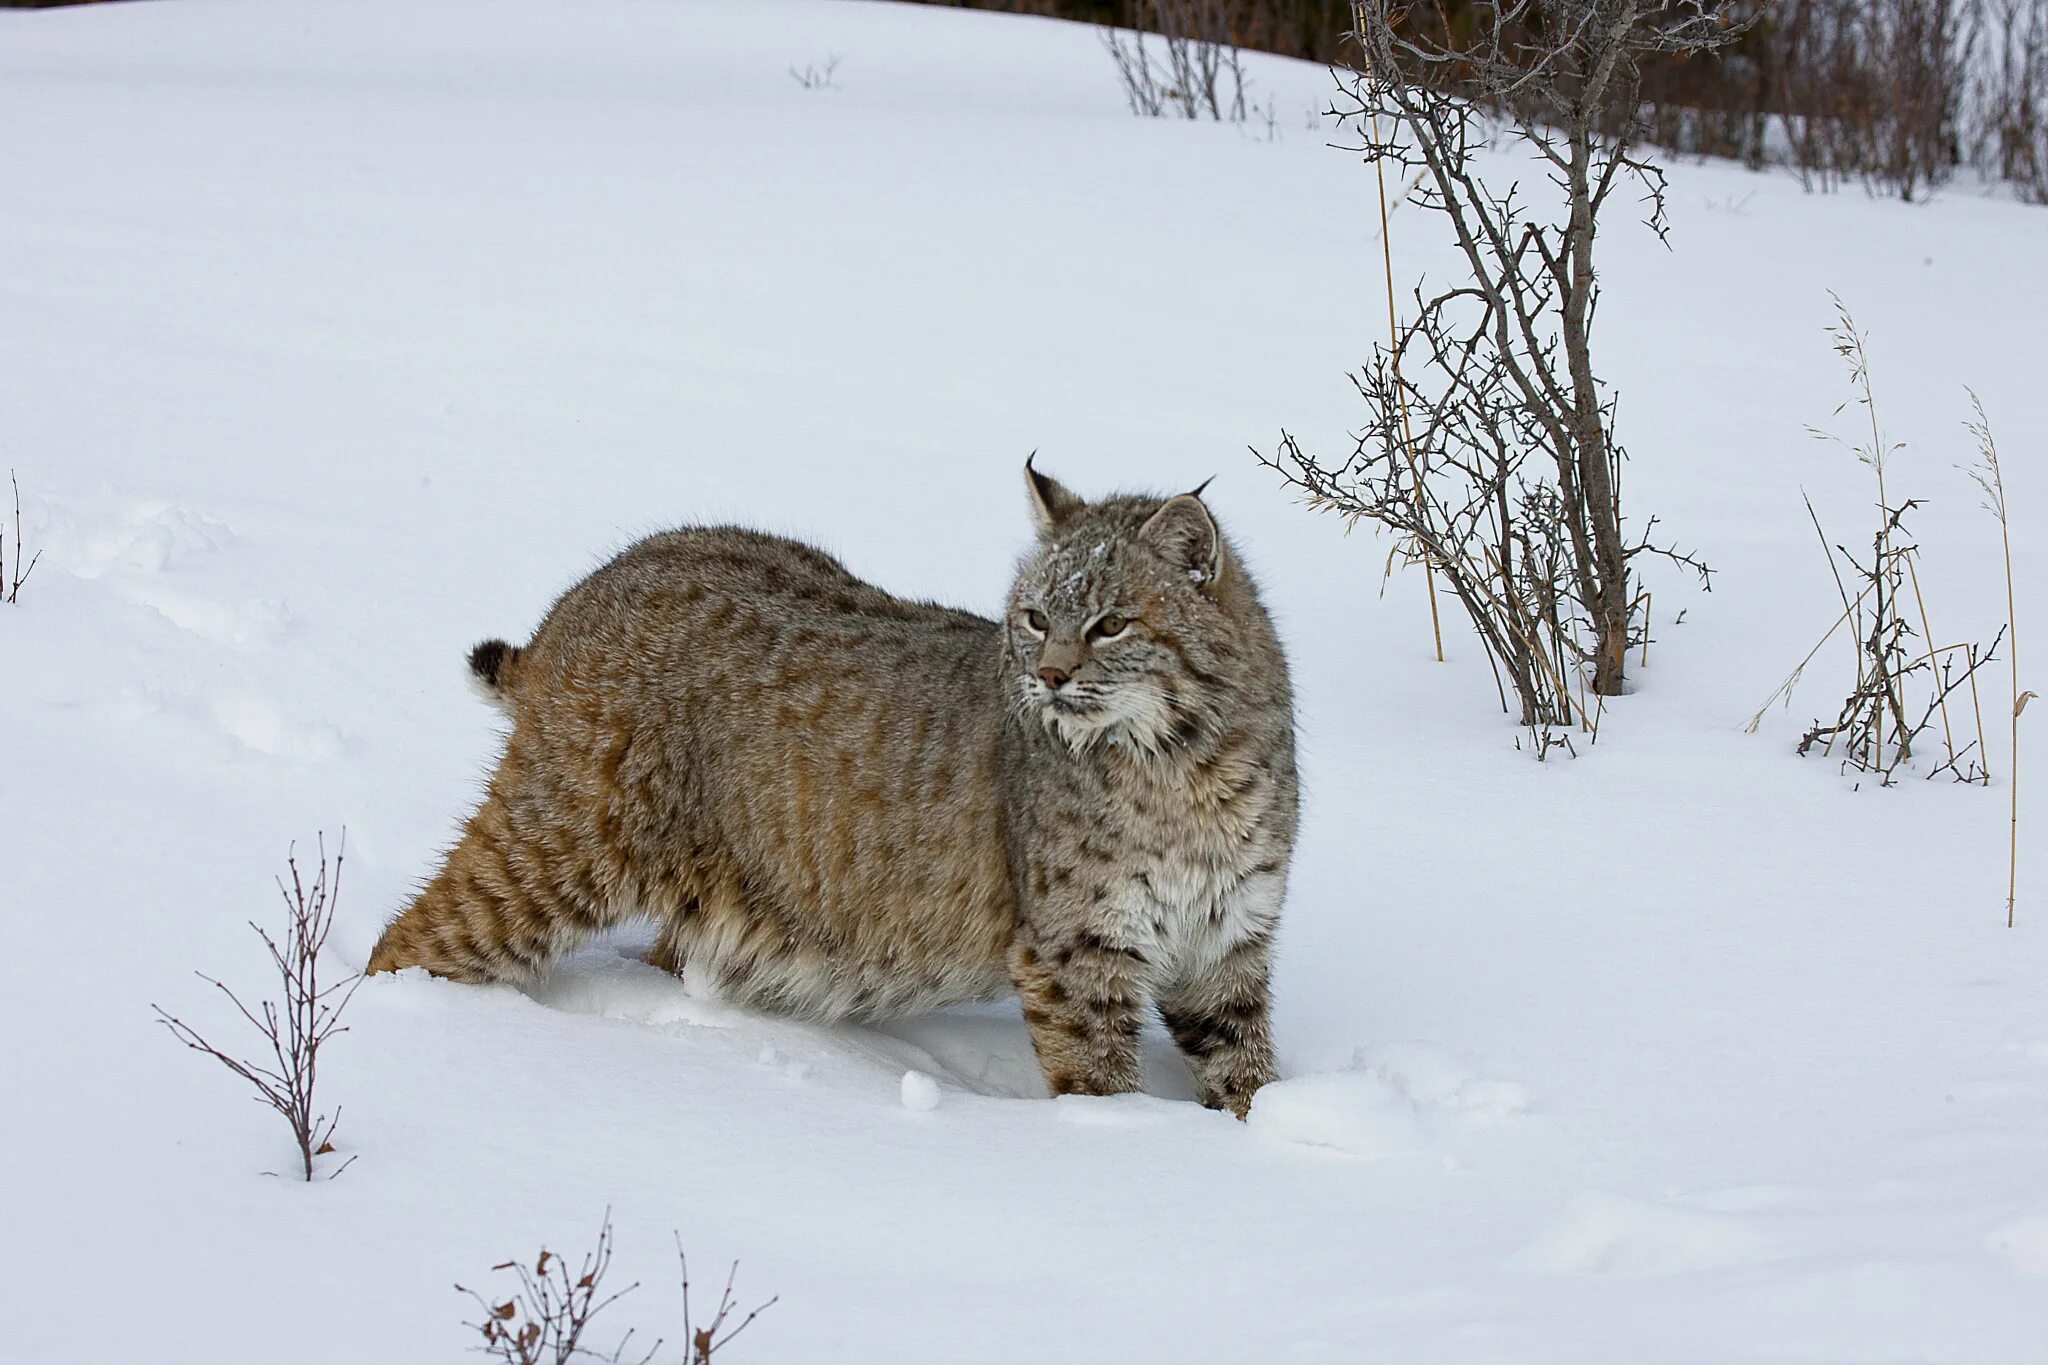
x,y
1350,1111
612,979
1436,1077
149,538
1397,1099
259,726
256,621
1600,1233
250,722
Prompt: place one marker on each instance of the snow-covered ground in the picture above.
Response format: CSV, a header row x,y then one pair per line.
x,y
334,338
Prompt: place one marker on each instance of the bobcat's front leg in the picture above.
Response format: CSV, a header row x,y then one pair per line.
x,y
1218,1004
1083,1003
1220,1015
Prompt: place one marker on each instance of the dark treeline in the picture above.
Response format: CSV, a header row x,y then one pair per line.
x,y
1896,95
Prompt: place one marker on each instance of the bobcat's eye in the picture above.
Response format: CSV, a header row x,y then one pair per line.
x,y
1108,627
1035,619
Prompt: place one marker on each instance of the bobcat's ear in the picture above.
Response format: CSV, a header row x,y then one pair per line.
x,y
1052,502
1186,534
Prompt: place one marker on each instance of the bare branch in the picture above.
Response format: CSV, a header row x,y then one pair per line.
x,y
299,1022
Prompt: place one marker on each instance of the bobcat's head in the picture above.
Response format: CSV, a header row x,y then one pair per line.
x,y
1122,625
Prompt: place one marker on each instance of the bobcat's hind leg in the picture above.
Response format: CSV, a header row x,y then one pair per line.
x,y
516,892
670,948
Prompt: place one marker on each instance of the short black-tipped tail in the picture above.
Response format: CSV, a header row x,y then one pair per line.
x,y
492,666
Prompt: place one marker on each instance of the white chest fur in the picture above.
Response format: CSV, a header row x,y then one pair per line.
x,y
1208,869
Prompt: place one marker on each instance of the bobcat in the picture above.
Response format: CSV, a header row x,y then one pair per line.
x,y
840,804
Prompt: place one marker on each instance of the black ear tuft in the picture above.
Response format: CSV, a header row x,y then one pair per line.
x,y
487,661
1052,502
1186,534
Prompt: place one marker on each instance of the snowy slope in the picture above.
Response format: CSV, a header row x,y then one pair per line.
x,y
334,338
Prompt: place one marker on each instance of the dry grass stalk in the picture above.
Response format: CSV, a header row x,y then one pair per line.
x,y
295,1027
1848,344
12,583
1991,479
1784,690
1436,628
1927,633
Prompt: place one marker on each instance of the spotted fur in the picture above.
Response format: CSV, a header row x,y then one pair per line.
x,y
840,804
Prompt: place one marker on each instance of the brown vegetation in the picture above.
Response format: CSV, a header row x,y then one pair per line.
x,y
1896,95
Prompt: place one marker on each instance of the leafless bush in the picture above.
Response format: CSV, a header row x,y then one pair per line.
x,y
1877,90
816,75
1899,704
1903,683
1199,71
548,1316
2011,115
1468,509
11,581
1490,447
297,1025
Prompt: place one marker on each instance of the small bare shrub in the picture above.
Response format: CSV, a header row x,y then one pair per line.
x,y
1904,680
816,75
11,581
548,1317
1200,70
296,1026
1490,447
1902,687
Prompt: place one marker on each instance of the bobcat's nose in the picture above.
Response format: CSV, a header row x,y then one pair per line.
x,y
1052,677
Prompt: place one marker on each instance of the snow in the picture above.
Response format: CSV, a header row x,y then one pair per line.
x,y
339,337
1606,1234
920,1092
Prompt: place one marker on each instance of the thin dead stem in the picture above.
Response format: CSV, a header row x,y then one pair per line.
x,y
710,1338
1990,477
1379,166
10,584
